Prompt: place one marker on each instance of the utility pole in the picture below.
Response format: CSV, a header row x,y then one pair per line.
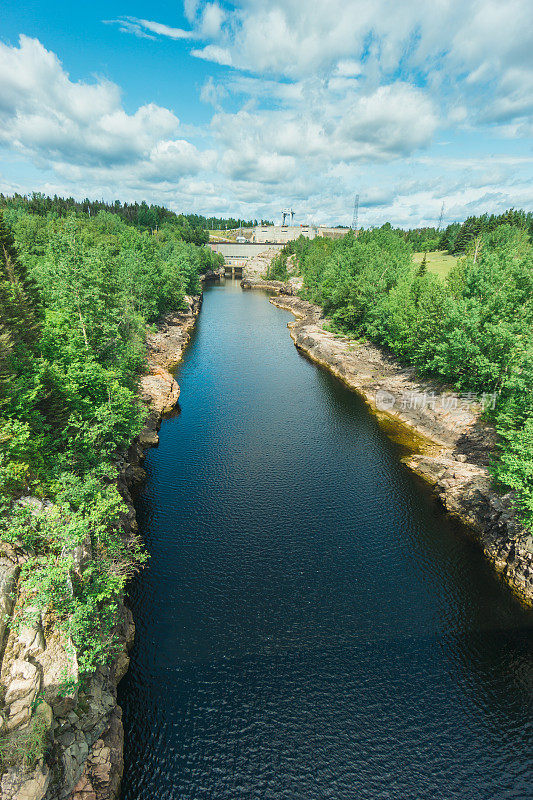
x,y
355,219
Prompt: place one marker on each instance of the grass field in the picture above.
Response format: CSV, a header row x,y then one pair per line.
x,y
440,263
220,234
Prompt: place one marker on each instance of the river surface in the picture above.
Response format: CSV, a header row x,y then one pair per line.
x,y
309,626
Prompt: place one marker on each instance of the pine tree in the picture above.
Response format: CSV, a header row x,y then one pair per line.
x,y
6,371
19,296
423,268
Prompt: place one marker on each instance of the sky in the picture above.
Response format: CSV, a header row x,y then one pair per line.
x,y
247,108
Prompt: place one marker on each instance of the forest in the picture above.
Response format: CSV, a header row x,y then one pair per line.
x,y
473,330
188,227
457,237
77,293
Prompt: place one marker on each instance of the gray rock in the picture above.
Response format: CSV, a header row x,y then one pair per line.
x,y
8,579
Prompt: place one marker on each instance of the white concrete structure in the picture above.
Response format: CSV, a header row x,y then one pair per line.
x,y
241,252
281,234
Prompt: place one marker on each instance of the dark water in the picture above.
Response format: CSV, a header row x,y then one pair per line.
x,y
309,626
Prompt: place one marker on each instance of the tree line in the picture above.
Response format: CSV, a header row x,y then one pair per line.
x,y
456,237
189,227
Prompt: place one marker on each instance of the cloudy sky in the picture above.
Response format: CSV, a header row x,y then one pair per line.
x,y
245,108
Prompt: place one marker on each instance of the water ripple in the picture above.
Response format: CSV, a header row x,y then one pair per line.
x,y
308,626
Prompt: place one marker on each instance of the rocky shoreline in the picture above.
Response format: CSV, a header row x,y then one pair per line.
x,y
85,760
449,444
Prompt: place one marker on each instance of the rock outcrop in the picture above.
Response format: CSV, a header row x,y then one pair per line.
x,y
81,723
449,444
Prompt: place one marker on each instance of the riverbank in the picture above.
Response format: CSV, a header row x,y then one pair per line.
x,y
83,722
159,392
450,446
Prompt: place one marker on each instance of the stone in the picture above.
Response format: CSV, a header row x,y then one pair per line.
x,y
121,666
21,691
33,787
84,790
148,438
81,555
31,639
8,578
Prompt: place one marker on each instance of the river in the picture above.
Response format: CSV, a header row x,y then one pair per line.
x,y
309,625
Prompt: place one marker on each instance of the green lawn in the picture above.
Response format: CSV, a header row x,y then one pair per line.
x,y
440,263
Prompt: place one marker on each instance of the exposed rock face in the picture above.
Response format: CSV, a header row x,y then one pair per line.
x,y
289,288
450,444
83,724
159,390
8,579
103,768
256,268
212,275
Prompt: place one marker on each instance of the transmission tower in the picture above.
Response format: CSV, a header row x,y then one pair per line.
x,y
288,212
441,216
355,220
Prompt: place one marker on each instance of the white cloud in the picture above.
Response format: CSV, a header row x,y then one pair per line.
x,y
348,68
389,122
213,93
128,26
319,101
394,120
163,30
212,19
454,47
191,7
139,27
212,52
51,119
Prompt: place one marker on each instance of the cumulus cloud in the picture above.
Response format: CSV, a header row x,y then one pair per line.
x,y
389,122
475,50
51,119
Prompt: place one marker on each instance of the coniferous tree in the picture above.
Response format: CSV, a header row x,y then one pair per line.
x,y
423,268
19,296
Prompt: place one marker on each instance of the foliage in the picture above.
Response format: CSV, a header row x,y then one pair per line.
x,y
277,269
457,238
76,295
189,227
422,240
24,748
474,330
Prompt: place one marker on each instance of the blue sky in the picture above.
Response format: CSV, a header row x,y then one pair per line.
x,y
242,109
